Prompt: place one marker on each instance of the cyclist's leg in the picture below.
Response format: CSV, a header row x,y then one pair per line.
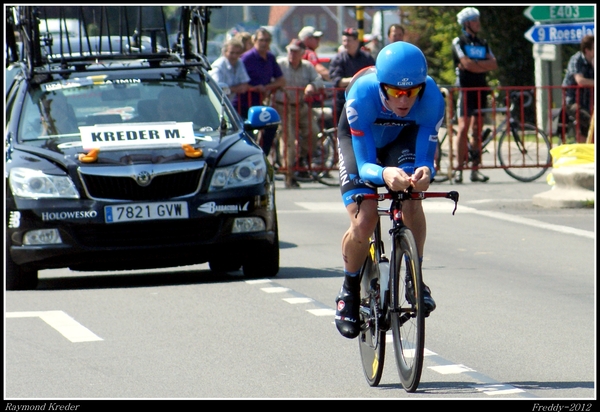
x,y
355,242
477,100
462,137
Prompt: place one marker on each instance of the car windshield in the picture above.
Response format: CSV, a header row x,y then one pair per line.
x,y
58,109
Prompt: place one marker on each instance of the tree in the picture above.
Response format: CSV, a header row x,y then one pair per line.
x,y
432,28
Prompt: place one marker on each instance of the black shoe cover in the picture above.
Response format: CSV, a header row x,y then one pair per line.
x,y
346,314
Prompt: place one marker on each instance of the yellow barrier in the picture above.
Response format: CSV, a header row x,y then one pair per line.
x,y
571,155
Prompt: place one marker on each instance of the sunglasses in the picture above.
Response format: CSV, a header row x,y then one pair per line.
x,y
395,92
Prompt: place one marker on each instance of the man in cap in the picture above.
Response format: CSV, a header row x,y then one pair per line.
x,y
311,39
302,82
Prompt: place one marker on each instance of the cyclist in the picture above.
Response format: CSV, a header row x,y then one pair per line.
x,y
473,58
387,135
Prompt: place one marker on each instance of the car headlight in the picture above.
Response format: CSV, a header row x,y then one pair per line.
x,y
249,171
36,184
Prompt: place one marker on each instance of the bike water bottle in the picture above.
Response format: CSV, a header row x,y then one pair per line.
x,y
384,275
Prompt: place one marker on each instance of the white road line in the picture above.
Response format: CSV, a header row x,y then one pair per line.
x,y
63,323
497,389
447,207
322,312
450,369
295,301
487,388
534,223
275,290
258,281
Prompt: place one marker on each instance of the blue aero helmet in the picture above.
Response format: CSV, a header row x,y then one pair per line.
x,y
401,64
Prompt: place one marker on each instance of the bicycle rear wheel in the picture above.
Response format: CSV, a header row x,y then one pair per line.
x,y
524,152
408,316
371,340
442,155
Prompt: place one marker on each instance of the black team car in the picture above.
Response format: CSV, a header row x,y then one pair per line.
x,y
123,153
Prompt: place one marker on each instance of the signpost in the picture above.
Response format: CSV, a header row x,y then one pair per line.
x,y
567,33
559,13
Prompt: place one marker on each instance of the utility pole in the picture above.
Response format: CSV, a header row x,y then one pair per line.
x,y
360,21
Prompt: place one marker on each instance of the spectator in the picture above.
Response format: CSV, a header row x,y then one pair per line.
x,y
395,33
229,69
374,45
346,64
302,82
311,39
265,77
473,58
580,72
245,38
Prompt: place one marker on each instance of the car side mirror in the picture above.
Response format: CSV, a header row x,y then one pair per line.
x,y
260,117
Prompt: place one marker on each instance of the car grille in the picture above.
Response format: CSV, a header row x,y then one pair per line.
x,y
165,184
149,233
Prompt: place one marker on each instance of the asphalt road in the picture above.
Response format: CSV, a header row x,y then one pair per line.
x,y
514,284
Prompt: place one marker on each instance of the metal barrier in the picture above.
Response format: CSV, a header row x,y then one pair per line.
x,y
540,110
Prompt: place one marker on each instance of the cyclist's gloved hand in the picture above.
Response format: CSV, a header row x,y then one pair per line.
x,y
421,179
396,179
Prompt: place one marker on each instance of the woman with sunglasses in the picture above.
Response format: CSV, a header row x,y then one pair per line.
x,y
387,135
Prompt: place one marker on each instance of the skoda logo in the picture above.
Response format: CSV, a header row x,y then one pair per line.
x,y
143,178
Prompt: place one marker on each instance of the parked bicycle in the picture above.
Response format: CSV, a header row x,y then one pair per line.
x,y
523,149
323,168
392,298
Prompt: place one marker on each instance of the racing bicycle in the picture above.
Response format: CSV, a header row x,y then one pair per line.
x,y
392,298
523,149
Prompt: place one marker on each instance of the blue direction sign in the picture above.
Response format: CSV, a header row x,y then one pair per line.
x,y
559,33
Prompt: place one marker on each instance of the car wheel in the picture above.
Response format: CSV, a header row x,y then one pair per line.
x,y
223,266
264,262
19,277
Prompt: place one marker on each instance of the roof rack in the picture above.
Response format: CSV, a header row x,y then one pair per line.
x,y
66,39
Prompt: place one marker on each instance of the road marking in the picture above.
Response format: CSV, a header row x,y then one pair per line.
x,y
447,207
275,290
532,222
322,312
295,301
258,281
450,369
63,323
497,389
485,385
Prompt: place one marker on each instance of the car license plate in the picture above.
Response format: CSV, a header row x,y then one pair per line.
x,y
145,211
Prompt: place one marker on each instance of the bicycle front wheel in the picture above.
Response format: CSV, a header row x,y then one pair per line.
x,y
524,152
371,340
408,315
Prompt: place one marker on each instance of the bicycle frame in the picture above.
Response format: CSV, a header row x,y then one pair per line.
x,y
395,214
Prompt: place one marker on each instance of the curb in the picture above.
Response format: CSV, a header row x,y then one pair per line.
x,y
573,188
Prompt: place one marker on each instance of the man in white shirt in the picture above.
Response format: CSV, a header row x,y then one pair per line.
x,y
229,69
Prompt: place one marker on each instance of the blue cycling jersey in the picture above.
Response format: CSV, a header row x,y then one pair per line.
x,y
373,126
